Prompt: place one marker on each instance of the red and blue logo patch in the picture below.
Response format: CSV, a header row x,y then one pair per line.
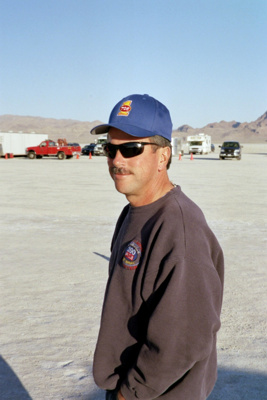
x,y
132,255
125,109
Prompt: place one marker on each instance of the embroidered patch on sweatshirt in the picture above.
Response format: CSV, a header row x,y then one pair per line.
x,y
132,255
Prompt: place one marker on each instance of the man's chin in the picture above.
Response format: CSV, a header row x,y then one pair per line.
x,y
120,188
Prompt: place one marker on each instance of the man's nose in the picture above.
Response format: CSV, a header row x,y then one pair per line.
x,y
119,159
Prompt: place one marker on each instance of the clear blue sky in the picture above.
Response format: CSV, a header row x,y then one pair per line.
x,y
206,60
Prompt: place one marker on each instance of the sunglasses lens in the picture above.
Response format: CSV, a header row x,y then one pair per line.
x,y
127,150
109,150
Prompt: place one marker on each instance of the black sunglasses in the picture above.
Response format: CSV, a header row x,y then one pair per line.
x,y
127,150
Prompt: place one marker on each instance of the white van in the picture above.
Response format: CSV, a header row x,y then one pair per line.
x,y
98,150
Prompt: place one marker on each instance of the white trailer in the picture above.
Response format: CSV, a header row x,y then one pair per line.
x,y
200,143
178,147
16,143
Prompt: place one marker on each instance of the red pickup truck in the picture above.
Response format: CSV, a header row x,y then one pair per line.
x,y
48,148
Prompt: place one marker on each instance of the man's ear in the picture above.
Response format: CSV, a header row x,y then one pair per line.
x,y
165,153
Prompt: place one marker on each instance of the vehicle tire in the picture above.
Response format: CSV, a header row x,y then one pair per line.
x,y
31,155
221,158
61,155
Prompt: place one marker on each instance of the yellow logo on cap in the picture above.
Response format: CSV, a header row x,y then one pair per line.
x,y
125,108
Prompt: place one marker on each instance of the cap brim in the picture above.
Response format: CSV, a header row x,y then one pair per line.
x,y
130,129
100,129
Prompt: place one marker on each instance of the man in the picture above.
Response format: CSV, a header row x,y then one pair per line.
x,y
161,311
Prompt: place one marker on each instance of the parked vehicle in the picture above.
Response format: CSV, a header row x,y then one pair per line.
x,y
200,143
230,149
89,148
73,144
178,147
16,143
49,148
75,147
98,150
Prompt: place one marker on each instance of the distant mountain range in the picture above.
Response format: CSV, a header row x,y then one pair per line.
x,y
78,131
246,132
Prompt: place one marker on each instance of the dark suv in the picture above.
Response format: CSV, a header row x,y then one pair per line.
x,y
230,149
89,148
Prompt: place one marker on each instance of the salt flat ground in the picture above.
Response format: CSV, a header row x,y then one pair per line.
x,y
57,219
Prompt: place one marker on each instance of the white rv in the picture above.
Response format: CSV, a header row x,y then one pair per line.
x,y
98,150
16,143
199,143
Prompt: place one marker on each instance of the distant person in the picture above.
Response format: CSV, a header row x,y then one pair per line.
x,y
163,298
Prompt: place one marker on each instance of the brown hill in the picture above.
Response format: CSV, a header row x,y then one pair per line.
x,y
72,130
252,132
78,131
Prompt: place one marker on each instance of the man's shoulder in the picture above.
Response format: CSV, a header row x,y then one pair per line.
x,y
180,201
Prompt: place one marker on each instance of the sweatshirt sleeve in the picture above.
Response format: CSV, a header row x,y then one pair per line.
x,y
184,316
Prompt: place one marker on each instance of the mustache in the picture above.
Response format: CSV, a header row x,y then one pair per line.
x,y
119,170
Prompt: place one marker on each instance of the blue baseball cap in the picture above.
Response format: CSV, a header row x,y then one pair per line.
x,y
140,116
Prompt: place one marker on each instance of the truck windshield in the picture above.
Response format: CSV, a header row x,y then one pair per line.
x,y
196,143
231,144
101,141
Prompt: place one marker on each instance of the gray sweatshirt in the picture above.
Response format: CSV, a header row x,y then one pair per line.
x,y
162,304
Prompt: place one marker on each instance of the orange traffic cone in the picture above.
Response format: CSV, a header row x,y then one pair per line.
x,y
180,157
90,155
6,156
77,156
191,158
